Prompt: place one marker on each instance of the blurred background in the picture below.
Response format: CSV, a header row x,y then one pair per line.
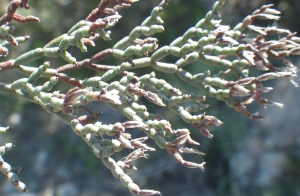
x,y
244,157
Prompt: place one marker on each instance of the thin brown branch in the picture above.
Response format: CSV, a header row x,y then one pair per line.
x,y
11,13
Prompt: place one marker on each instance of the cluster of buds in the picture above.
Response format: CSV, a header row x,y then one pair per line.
x,y
6,168
235,51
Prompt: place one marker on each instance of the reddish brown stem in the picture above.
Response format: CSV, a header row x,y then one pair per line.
x,y
71,81
96,13
101,68
101,56
78,65
90,63
12,8
7,65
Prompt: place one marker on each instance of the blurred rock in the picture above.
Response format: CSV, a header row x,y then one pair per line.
x,y
40,162
67,189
